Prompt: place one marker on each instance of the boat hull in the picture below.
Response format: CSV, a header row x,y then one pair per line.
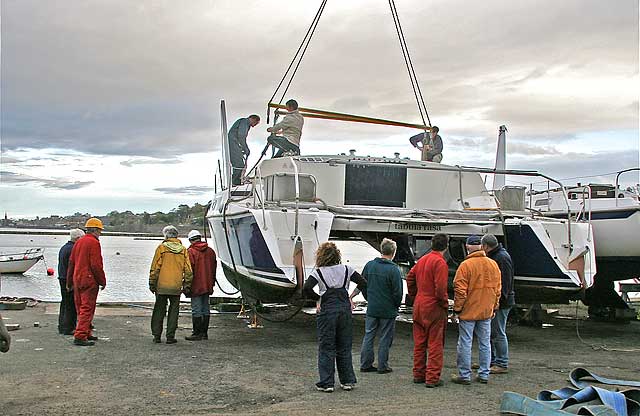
x,y
18,266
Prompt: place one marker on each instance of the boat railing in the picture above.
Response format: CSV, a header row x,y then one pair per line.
x,y
618,180
584,212
297,183
23,255
261,197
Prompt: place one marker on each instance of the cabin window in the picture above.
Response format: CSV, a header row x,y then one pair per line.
x,y
282,187
383,186
541,202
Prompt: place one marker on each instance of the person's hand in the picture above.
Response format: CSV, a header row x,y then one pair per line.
x,y
318,307
69,288
353,305
152,289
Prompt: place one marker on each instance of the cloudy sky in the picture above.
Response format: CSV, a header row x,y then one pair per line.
x,y
114,105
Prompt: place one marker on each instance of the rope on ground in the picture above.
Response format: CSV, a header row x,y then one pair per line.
x,y
599,347
299,308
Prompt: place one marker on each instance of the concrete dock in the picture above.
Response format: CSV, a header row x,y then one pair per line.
x,y
272,370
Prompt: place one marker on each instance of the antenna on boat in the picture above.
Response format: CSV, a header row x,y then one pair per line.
x,y
225,144
501,158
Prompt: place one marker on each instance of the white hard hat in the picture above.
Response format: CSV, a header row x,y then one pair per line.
x,y
193,234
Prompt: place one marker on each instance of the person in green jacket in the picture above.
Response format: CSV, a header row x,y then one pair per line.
x,y
384,290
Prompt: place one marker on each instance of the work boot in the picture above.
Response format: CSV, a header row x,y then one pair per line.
x,y
171,341
205,326
83,342
92,338
196,334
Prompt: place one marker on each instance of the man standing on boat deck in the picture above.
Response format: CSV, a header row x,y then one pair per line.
x,y
427,282
285,136
477,295
67,316
203,263
85,275
384,290
170,275
499,341
430,146
238,148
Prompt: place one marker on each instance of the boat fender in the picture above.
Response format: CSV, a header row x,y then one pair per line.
x,y
49,271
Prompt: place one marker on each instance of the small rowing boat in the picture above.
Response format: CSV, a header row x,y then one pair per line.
x,y
20,262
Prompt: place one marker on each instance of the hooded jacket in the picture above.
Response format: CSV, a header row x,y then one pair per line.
x,y
170,272
477,287
85,269
203,264
502,257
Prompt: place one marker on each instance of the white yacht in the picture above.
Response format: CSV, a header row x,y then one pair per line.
x,y
614,214
266,232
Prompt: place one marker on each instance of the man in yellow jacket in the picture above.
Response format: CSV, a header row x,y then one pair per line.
x,y
170,275
477,288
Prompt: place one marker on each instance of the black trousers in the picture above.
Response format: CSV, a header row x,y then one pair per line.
x,y
335,334
67,316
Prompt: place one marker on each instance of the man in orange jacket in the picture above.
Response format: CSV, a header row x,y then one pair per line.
x,y
85,274
477,288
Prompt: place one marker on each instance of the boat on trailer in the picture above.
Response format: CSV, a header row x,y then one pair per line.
x,y
266,231
19,263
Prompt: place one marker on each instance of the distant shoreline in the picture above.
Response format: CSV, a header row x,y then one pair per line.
x,y
65,232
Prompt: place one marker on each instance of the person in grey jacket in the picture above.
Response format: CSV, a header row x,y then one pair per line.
x,y
430,146
285,136
238,148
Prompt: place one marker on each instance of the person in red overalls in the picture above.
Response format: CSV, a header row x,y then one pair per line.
x,y
85,275
427,282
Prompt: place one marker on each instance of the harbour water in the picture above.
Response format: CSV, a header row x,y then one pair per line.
x,y
126,263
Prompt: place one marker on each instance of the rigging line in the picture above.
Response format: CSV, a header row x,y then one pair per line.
x,y
295,70
406,60
411,62
296,54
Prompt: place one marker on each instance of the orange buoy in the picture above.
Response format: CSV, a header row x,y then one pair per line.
x,y
50,271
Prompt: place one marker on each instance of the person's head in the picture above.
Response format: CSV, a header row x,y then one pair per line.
x,y
388,248
434,131
328,254
75,234
291,105
94,226
489,242
254,120
440,242
194,236
170,232
473,243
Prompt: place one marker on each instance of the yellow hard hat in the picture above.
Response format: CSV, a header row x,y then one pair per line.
x,y
94,223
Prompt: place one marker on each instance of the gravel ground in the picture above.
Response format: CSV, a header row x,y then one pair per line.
x,y
271,370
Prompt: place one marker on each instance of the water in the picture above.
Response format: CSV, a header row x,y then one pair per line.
x,y
127,273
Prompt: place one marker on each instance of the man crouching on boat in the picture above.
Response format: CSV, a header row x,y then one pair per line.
x,y
85,275
285,136
170,275
335,326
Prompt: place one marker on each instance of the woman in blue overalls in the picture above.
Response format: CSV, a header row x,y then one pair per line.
x,y
334,316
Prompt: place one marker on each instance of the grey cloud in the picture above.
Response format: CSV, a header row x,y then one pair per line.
x,y
149,161
186,190
146,79
21,179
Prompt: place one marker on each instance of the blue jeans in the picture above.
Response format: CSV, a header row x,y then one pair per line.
x,y
385,328
482,331
335,334
499,342
200,305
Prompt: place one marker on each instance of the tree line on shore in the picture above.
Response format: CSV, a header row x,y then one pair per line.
x,y
183,216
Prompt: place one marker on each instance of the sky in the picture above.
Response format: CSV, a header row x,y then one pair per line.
x,y
114,105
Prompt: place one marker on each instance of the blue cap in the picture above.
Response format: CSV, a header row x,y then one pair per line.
x,y
473,240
